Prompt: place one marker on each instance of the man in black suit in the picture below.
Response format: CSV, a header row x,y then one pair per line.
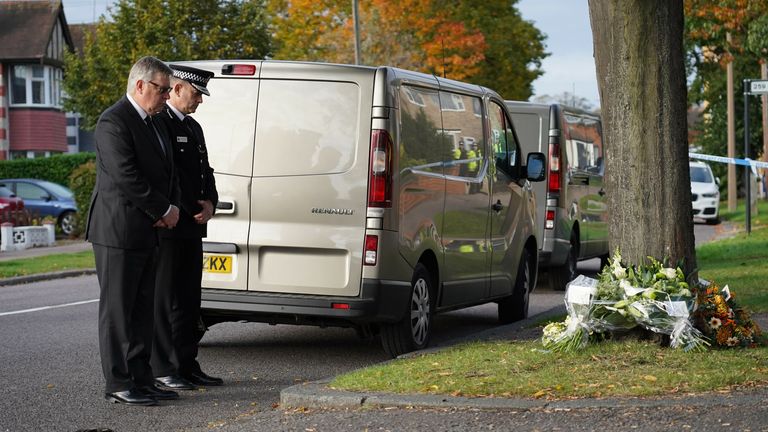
x,y
133,197
179,272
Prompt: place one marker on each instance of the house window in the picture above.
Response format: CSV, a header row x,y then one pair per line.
x,y
451,102
35,85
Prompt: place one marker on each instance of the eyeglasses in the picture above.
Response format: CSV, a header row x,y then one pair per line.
x,y
163,90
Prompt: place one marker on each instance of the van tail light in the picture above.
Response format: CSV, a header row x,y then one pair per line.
x,y
380,184
371,250
549,223
554,167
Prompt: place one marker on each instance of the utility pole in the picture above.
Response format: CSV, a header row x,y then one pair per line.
x,y
732,189
764,99
356,19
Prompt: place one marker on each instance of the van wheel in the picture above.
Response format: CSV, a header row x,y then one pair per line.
x,y
515,307
561,275
713,221
413,331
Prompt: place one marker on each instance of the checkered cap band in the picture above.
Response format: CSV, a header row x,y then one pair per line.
x,y
191,77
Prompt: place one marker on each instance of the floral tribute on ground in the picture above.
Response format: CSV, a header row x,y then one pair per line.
x,y
654,298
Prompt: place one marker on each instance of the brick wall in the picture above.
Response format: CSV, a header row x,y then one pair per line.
x,y
3,116
37,130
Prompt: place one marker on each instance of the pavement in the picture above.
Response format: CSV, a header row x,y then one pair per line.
x,y
318,394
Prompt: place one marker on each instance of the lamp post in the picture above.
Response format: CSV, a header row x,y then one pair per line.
x,y
356,20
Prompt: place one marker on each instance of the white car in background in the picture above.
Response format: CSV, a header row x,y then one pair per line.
x,y
705,193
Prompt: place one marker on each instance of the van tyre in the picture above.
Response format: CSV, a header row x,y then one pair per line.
x,y
515,307
561,275
413,331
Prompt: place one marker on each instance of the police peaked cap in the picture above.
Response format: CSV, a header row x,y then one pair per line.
x,y
197,77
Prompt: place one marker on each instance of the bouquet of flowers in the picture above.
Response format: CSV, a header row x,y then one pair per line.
x,y
652,296
722,321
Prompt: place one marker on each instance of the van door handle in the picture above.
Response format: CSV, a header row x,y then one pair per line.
x,y
498,206
225,207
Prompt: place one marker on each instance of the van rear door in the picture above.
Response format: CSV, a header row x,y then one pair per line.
x,y
227,119
310,177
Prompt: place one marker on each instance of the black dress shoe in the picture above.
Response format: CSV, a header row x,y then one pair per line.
x,y
200,378
174,382
157,393
130,397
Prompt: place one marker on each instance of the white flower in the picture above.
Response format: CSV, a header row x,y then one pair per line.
x,y
619,272
715,323
670,273
732,341
624,284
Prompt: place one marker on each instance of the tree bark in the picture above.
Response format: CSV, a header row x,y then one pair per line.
x,y
638,48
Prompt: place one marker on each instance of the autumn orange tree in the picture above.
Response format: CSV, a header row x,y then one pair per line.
x,y
718,33
487,43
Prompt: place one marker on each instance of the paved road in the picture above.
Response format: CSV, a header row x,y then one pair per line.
x,y
51,380
51,377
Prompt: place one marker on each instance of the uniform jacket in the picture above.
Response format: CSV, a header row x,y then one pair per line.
x,y
194,172
135,181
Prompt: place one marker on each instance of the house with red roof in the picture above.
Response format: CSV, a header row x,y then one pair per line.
x,y
33,38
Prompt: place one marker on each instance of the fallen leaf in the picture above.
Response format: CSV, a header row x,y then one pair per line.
x,y
650,378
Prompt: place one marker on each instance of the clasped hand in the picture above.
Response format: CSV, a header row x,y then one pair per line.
x,y
206,213
170,219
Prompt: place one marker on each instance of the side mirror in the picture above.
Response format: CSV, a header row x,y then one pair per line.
x,y
535,165
717,181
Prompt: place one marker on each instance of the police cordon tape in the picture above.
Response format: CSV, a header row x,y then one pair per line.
x,y
744,162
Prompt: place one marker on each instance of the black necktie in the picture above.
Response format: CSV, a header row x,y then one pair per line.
x,y
151,124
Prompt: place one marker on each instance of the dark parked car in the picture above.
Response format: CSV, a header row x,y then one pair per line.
x,y
43,198
12,208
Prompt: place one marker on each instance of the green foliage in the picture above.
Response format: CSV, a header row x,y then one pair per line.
x,y
56,168
82,181
515,46
171,30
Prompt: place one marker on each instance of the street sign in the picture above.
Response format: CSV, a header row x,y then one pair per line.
x,y
758,87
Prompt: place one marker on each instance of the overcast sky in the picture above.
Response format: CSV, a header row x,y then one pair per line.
x,y
569,68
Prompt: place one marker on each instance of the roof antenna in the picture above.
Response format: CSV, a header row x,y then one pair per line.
x,y
442,44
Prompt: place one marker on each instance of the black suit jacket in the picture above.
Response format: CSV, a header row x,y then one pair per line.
x,y
195,174
135,182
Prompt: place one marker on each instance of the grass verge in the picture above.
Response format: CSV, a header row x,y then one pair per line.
x,y
608,369
739,262
739,216
523,369
47,264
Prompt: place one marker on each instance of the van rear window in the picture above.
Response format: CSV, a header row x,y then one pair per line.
x,y
306,127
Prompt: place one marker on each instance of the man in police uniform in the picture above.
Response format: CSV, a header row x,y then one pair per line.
x,y
179,271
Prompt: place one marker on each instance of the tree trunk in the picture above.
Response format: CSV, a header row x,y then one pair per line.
x,y
641,76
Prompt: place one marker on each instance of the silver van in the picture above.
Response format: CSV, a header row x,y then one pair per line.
x,y
363,197
571,208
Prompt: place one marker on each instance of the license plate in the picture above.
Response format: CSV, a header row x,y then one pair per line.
x,y
217,263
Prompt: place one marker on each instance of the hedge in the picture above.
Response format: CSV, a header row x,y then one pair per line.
x,y
55,168
82,180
